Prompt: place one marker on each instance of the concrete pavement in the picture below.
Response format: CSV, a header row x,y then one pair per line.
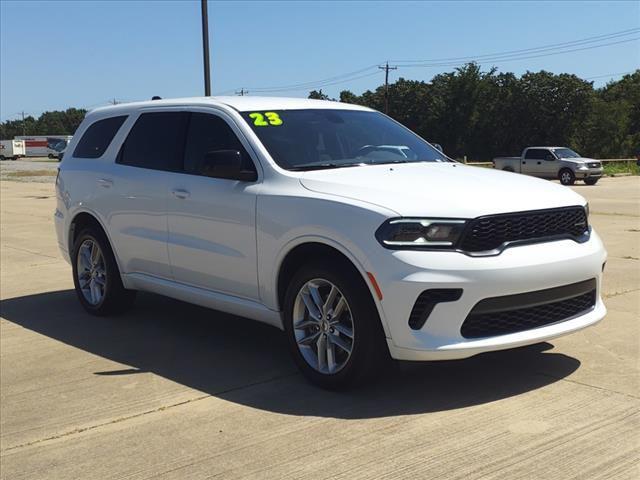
x,y
171,390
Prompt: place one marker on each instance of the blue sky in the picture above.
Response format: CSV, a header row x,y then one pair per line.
x,y
58,54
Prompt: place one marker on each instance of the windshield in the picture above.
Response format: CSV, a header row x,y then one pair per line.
x,y
565,153
313,139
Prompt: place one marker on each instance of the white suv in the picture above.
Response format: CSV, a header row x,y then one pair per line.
x,y
327,220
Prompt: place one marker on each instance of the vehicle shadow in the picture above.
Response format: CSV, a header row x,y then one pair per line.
x,y
247,362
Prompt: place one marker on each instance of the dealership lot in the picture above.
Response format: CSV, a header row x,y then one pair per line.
x,y
171,390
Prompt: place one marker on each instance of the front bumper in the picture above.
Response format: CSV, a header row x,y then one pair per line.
x,y
591,173
403,275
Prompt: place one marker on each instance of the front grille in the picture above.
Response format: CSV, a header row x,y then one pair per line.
x,y
491,232
594,165
493,316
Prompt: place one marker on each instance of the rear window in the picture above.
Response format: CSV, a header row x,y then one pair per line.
x,y
97,137
155,141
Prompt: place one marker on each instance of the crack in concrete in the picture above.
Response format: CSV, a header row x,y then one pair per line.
x,y
162,408
31,252
617,294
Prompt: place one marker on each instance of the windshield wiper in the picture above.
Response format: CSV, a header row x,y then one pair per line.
x,y
389,161
321,166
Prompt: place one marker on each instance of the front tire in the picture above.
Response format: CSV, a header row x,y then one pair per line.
x,y
566,177
96,275
591,181
332,326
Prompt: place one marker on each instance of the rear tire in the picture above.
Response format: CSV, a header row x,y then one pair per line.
x,y
566,177
334,346
50,156
96,275
591,181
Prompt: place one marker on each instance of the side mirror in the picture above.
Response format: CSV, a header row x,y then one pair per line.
x,y
226,164
549,157
438,147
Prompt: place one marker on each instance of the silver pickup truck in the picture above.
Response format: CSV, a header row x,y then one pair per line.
x,y
552,162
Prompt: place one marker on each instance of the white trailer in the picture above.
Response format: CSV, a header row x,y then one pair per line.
x,y
12,149
44,145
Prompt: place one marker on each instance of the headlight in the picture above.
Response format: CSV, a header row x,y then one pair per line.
x,y
420,233
583,167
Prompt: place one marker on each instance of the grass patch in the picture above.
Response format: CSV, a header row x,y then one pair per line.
x,y
621,167
32,173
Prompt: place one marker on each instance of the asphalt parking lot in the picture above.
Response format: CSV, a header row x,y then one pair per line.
x,y
171,390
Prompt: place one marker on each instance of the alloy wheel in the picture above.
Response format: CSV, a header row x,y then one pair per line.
x,y
323,326
92,272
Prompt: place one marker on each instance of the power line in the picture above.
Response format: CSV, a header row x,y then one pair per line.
x,y
315,83
512,55
609,75
553,46
519,57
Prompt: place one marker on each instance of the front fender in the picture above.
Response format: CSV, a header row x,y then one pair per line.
x,y
284,223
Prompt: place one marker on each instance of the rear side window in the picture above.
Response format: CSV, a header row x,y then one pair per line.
x,y
97,137
208,133
155,141
536,154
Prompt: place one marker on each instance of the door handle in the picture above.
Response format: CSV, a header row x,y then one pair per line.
x,y
524,163
181,194
539,163
105,182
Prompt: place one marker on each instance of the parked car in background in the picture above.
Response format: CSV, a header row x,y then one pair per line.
x,y
12,149
327,220
552,162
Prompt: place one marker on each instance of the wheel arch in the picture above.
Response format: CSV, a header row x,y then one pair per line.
x,y
314,248
81,220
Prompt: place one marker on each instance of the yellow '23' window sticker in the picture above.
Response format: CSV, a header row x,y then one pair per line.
x,y
266,119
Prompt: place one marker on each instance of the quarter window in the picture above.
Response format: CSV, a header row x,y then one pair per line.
x,y
97,137
156,141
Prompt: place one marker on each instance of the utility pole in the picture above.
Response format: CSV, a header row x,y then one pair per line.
x,y
114,101
205,48
386,69
23,125
242,92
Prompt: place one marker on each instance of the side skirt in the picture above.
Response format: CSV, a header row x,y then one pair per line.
x,y
205,298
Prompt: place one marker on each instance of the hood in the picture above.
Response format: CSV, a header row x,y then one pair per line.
x,y
579,160
441,189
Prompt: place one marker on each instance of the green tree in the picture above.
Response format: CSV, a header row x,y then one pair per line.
x,y
318,95
49,123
